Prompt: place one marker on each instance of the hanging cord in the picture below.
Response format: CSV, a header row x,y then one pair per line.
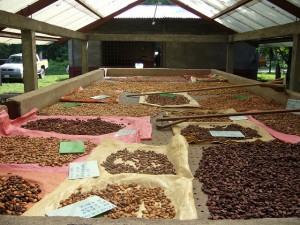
x,y
153,22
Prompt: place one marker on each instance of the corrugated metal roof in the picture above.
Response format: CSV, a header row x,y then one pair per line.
x,y
162,11
14,6
257,14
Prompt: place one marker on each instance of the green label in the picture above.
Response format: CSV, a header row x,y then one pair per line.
x,y
168,95
71,147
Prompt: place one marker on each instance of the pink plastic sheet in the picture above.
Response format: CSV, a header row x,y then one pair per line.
x,y
288,138
47,181
13,127
141,124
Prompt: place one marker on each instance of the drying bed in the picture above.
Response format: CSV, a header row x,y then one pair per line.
x,y
244,101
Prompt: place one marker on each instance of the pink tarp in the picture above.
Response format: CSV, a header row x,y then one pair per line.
x,y
141,124
288,138
9,127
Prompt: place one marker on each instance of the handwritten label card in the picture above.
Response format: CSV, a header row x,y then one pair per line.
x,y
87,208
226,134
99,97
80,170
293,104
125,132
235,118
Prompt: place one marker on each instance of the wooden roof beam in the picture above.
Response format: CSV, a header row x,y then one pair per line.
x,y
18,36
108,18
33,8
99,22
204,17
287,6
285,30
88,7
22,23
231,8
158,37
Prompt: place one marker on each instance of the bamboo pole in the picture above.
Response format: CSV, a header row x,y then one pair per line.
x,y
276,87
185,118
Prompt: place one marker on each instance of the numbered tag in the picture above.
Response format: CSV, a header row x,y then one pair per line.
x,y
293,104
87,208
227,134
80,170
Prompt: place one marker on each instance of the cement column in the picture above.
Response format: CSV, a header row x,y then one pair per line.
x,y
30,77
230,57
84,57
295,65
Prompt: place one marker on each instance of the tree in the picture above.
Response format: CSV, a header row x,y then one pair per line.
x,y
279,55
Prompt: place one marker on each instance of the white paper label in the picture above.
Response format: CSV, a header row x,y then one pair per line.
x,y
234,118
124,132
87,208
293,104
226,134
99,97
78,170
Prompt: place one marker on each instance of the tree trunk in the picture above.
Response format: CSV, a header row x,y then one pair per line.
x,y
278,71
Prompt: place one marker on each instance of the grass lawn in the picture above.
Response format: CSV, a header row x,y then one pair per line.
x,y
267,76
14,87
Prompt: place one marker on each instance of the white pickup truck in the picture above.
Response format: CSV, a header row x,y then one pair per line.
x,y
13,68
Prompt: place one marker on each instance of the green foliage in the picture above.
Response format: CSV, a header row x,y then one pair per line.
x,y
54,51
263,77
7,50
57,68
274,55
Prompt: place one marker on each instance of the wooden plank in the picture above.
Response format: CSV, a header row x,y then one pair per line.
x,y
18,36
287,6
158,37
285,30
231,8
20,22
99,22
204,17
33,8
88,7
29,61
294,84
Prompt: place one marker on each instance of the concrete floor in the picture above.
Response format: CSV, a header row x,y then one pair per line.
x,y
160,137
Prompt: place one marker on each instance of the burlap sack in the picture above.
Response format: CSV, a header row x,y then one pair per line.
x,y
265,136
178,189
176,151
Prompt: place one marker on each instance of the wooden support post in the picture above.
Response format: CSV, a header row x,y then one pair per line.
x,y
84,57
230,57
295,66
29,60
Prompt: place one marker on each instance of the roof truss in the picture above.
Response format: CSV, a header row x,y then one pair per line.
x,y
231,8
287,6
